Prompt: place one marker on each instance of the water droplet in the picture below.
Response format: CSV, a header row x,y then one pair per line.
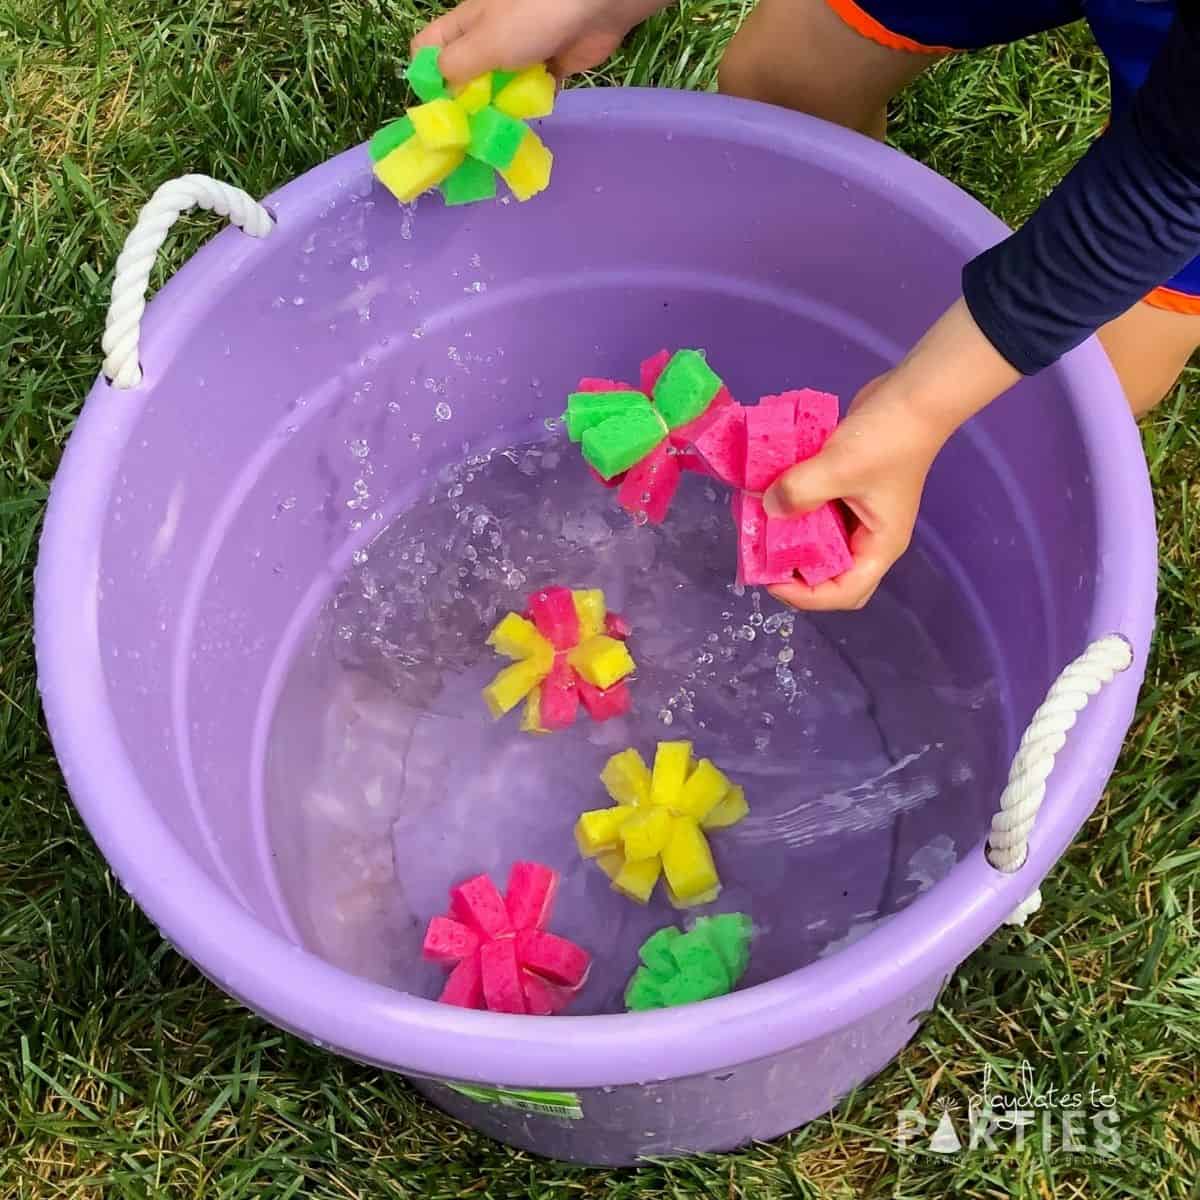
x,y
359,448
360,557
786,654
551,423
666,716
640,517
443,411
361,262
786,681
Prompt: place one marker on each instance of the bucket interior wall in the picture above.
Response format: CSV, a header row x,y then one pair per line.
x,y
236,509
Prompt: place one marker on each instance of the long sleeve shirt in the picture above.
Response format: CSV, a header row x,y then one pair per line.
x,y
1125,220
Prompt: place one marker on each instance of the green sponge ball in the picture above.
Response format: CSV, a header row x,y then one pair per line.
x,y
684,968
424,76
472,181
686,387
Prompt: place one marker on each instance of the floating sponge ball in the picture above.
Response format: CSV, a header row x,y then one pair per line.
x,y
707,961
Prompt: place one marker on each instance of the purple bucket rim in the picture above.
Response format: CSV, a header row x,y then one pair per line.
x,y
299,991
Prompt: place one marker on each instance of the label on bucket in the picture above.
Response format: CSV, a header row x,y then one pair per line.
x,y
549,1104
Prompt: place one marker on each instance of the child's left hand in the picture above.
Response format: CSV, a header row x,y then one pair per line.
x,y
877,459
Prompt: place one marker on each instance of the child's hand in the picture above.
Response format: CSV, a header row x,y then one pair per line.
x,y
877,459
506,35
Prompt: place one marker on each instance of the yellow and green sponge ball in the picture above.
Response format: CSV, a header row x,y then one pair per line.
x,y
457,138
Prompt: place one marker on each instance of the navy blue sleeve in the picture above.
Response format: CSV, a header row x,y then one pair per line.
x,y
1124,221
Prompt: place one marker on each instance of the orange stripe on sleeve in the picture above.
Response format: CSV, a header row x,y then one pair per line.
x,y
1173,301
863,23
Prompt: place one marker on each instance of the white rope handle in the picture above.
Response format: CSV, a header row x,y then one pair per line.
x,y
1044,737
123,326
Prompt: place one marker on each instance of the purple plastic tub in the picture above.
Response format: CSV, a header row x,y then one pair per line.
x,y
198,522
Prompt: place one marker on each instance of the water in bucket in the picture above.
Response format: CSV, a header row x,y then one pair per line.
x,y
869,744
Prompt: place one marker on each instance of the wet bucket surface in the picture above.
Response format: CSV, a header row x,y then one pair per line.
x,y
199,564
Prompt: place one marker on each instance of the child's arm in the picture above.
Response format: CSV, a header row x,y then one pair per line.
x,y
877,459
1123,221
506,35
1126,218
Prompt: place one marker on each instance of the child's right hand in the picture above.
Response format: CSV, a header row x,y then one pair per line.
x,y
877,459
507,35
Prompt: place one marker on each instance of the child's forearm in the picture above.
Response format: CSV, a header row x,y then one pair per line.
x,y
1124,220
951,374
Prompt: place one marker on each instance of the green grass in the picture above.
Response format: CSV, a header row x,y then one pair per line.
x,y
125,1074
